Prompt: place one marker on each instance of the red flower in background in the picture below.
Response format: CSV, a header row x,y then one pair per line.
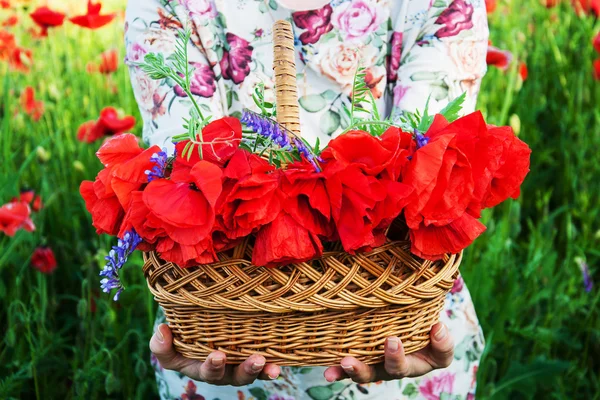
x,y
46,18
587,6
14,216
490,6
550,3
597,69
31,106
596,42
13,20
20,59
108,124
7,44
4,4
93,19
315,22
43,260
28,196
109,63
498,58
523,71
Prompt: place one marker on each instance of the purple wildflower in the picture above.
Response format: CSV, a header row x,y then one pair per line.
x,y
115,260
304,150
588,284
160,161
422,140
267,128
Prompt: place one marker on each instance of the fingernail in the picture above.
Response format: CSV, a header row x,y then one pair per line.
x,y
441,333
257,367
349,369
273,377
216,362
393,345
159,335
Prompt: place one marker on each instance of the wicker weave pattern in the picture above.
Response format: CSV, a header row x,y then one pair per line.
x,y
305,314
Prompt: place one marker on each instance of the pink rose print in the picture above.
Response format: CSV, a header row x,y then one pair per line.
x,y
135,53
459,284
432,388
393,60
190,392
235,64
456,18
201,8
399,92
202,83
357,19
316,22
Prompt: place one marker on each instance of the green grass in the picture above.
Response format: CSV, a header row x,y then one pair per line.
x,y
61,338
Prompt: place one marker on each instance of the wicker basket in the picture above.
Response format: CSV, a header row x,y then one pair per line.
x,y
306,314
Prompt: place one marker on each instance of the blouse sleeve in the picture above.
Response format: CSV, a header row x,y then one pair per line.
x,y
438,52
152,26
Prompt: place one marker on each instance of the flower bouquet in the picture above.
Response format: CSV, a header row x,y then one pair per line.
x,y
255,241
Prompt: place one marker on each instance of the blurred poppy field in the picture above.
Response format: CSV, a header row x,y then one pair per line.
x,y
63,88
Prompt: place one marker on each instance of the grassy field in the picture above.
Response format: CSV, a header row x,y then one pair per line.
x,y
63,339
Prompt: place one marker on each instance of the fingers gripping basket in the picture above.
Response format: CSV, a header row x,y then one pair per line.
x,y
306,314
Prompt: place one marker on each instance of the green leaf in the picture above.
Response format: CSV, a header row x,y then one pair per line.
x,y
329,95
262,7
111,384
320,393
259,393
452,111
439,3
330,122
221,20
410,390
305,370
519,374
424,76
337,386
273,4
313,103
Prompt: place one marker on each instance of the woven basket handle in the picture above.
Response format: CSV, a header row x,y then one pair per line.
x,y
284,65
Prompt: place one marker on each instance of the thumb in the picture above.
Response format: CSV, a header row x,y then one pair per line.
x,y
161,345
442,346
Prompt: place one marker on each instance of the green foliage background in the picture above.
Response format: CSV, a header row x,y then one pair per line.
x,y
61,338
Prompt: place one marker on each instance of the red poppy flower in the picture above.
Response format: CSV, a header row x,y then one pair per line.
x,y
46,18
20,59
37,203
362,173
490,6
306,199
550,3
177,216
220,140
4,4
285,241
109,63
30,105
93,19
596,42
251,202
523,71
597,69
14,216
109,124
43,260
7,45
27,196
13,20
100,199
587,6
498,58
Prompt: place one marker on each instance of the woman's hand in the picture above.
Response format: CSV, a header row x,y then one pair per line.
x,y
213,370
397,365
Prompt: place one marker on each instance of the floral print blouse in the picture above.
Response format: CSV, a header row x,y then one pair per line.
x,y
414,52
